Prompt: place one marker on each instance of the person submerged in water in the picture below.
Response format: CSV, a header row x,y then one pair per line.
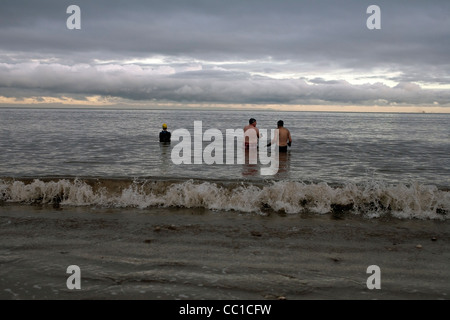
x,y
282,136
164,135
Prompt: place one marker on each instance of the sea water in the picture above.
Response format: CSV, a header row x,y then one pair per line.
x,y
371,163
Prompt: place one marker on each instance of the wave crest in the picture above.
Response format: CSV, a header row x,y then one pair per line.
x,y
372,199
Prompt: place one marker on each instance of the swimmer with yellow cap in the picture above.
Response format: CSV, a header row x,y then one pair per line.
x,y
164,135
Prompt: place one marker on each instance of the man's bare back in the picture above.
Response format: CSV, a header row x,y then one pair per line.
x,y
284,136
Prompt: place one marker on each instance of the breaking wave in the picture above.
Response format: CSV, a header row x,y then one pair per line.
x,y
372,199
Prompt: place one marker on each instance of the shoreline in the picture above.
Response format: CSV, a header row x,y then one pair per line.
x,y
196,254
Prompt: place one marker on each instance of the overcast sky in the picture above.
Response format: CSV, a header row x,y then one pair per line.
x,y
226,53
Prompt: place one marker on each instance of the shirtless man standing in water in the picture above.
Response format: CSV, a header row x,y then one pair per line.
x,y
283,137
251,139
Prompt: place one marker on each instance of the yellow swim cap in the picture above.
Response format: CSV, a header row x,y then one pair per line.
x,y
164,126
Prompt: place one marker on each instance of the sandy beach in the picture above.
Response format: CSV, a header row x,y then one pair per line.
x,y
197,254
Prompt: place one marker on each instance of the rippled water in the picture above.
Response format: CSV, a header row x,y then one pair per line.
x,y
327,147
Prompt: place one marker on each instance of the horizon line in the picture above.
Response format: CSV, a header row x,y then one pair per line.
x,y
268,108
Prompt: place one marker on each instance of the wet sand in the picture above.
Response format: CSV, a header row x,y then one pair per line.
x,y
199,254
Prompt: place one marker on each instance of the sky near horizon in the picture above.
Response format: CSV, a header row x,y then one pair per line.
x,y
277,54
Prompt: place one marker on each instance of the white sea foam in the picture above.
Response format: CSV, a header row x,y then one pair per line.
x,y
372,199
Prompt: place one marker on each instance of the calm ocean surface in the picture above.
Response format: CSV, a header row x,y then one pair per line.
x,y
329,147
336,149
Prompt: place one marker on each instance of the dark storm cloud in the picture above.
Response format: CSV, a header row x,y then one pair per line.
x,y
212,51
298,30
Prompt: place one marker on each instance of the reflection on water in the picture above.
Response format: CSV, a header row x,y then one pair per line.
x,y
253,166
284,164
165,157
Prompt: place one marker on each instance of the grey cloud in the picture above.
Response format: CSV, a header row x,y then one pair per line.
x,y
309,31
243,37
143,83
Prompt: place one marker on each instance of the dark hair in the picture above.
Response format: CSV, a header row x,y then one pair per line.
x,y
251,120
280,123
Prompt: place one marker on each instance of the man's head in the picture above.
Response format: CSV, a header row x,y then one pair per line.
x,y
280,123
252,121
164,126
